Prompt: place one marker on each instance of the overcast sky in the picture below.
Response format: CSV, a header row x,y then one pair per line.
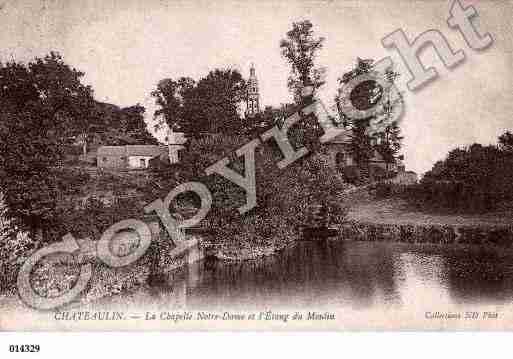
x,y
126,47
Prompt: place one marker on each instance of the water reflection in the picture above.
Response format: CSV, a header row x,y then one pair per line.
x,y
355,275
422,279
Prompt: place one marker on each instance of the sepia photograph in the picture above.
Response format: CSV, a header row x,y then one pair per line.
x,y
275,166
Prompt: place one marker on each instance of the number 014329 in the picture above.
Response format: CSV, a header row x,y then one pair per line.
x,y
24,348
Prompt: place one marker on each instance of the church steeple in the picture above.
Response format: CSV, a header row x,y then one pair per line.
x,y
253,96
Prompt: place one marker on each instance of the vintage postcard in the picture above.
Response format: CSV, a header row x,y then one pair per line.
x,y
256,165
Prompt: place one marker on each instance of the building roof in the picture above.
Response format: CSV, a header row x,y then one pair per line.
x,y
344,137
146,150
111,151
132,150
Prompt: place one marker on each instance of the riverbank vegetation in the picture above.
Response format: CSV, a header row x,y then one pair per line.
x,y
49,117
283,195
46,110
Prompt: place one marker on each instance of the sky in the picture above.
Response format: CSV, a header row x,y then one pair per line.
x,y
126,47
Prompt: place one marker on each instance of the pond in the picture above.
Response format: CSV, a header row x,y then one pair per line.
x,y
340,274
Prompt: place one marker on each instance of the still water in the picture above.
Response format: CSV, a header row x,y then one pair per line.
x,y
341,274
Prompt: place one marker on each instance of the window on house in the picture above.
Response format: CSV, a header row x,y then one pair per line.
x,y
104,159
142,162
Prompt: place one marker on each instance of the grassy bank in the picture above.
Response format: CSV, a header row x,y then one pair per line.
x,y
397,211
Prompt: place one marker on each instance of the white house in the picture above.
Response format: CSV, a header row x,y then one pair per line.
x,y
130,156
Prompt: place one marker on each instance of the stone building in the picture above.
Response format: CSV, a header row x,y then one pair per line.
x,y
130,156
341,156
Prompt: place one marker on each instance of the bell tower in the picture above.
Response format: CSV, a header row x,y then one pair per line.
x,y
253,96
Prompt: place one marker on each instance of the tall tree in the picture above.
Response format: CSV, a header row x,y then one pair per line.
x,y
300,48
380,132
134,125
389,142
215,101
170,97
41,105
209,105
112,125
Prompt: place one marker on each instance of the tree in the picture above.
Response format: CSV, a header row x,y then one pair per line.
x,y
361,145
132,119
13,246
269,117
112,125
390,138
42,104
474,178
300,48
506,141
6,227
170,97
389,143
209,105
215,101
380,132
62,98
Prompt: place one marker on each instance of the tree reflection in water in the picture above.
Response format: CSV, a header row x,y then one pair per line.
x,y
341,274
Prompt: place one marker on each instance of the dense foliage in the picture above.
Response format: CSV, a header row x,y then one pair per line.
x,y
283,195
385,135
45,108
300,48
112,125
42,104
209,105
47,115
476,178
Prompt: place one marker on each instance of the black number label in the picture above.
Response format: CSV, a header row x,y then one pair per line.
x,y
24,348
